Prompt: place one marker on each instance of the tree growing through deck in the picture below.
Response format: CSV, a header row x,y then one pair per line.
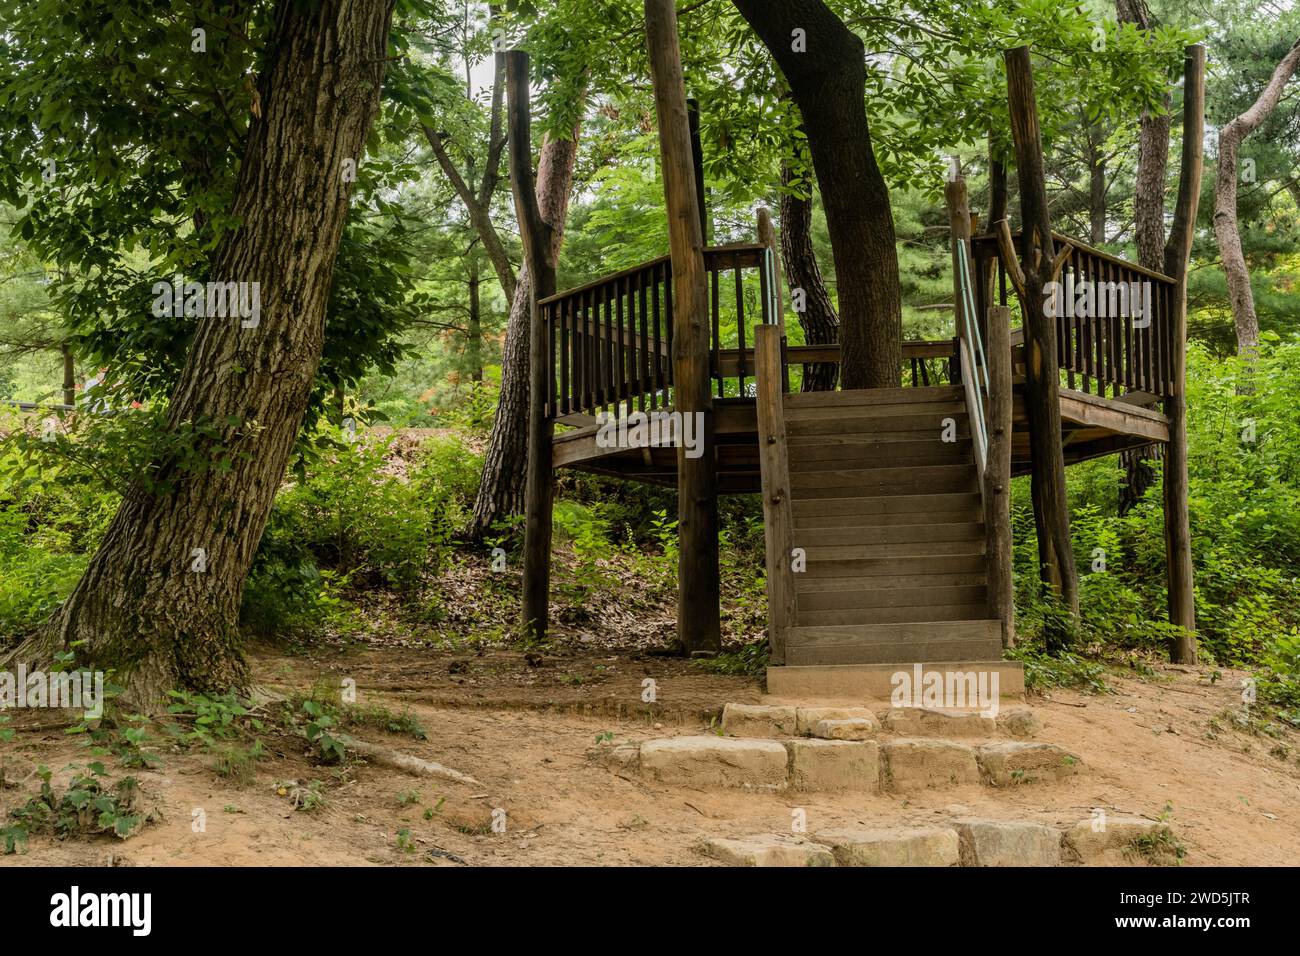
x,y
823,63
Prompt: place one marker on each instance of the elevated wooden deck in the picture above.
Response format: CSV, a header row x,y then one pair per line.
x,y
611,346
1092,427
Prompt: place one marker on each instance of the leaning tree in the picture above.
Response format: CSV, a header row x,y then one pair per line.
x,y
158,603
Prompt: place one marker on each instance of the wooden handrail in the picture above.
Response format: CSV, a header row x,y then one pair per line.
x,y
711,252
609,342
1112,354
1060,238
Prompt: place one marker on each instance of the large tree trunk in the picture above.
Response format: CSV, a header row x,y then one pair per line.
x,y
1226,229
501,491
827,80
821,326
151,605
1137,471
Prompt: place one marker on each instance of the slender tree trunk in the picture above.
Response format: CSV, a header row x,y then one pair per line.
x,y
1226,229
501,491
997,212
474,328
1178,251
69,375
824,66
821,326
1137,464
159,601
1096,136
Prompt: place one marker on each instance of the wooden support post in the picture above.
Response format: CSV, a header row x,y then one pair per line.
x,y
1178,250
997,473
698,624
774,467
1042,374
536,235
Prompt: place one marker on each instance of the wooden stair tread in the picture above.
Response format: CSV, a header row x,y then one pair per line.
x,y
887,534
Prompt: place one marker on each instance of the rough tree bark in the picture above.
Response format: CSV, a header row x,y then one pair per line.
x,y
821,326
152,606
501,491
1226,230
824,66
1039,265
539,254
1137,471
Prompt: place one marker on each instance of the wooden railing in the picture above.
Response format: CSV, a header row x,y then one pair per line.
x,y
610,341
1103,350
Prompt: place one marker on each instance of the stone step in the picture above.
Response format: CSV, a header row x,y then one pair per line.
x,y
937,722
1009,763
1009,843
780,721
765,850
917,846
896,765
968,842
717,762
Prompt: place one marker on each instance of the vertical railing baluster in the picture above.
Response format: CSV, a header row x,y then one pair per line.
x,y
658,382
607,348
743,367
643,356
1085,351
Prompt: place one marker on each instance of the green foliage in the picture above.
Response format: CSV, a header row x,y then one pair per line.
x,y
91,804
349,522
750,660
221,726
318,733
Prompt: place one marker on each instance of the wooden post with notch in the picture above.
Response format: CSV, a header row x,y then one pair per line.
x,y
1038,265
698,612
774,468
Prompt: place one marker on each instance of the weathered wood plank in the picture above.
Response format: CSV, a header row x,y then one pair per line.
x,y
977,610
778,515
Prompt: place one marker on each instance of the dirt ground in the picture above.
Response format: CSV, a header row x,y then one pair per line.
x,y
527,731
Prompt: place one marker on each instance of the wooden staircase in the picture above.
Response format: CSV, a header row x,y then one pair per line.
x,y
889,518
